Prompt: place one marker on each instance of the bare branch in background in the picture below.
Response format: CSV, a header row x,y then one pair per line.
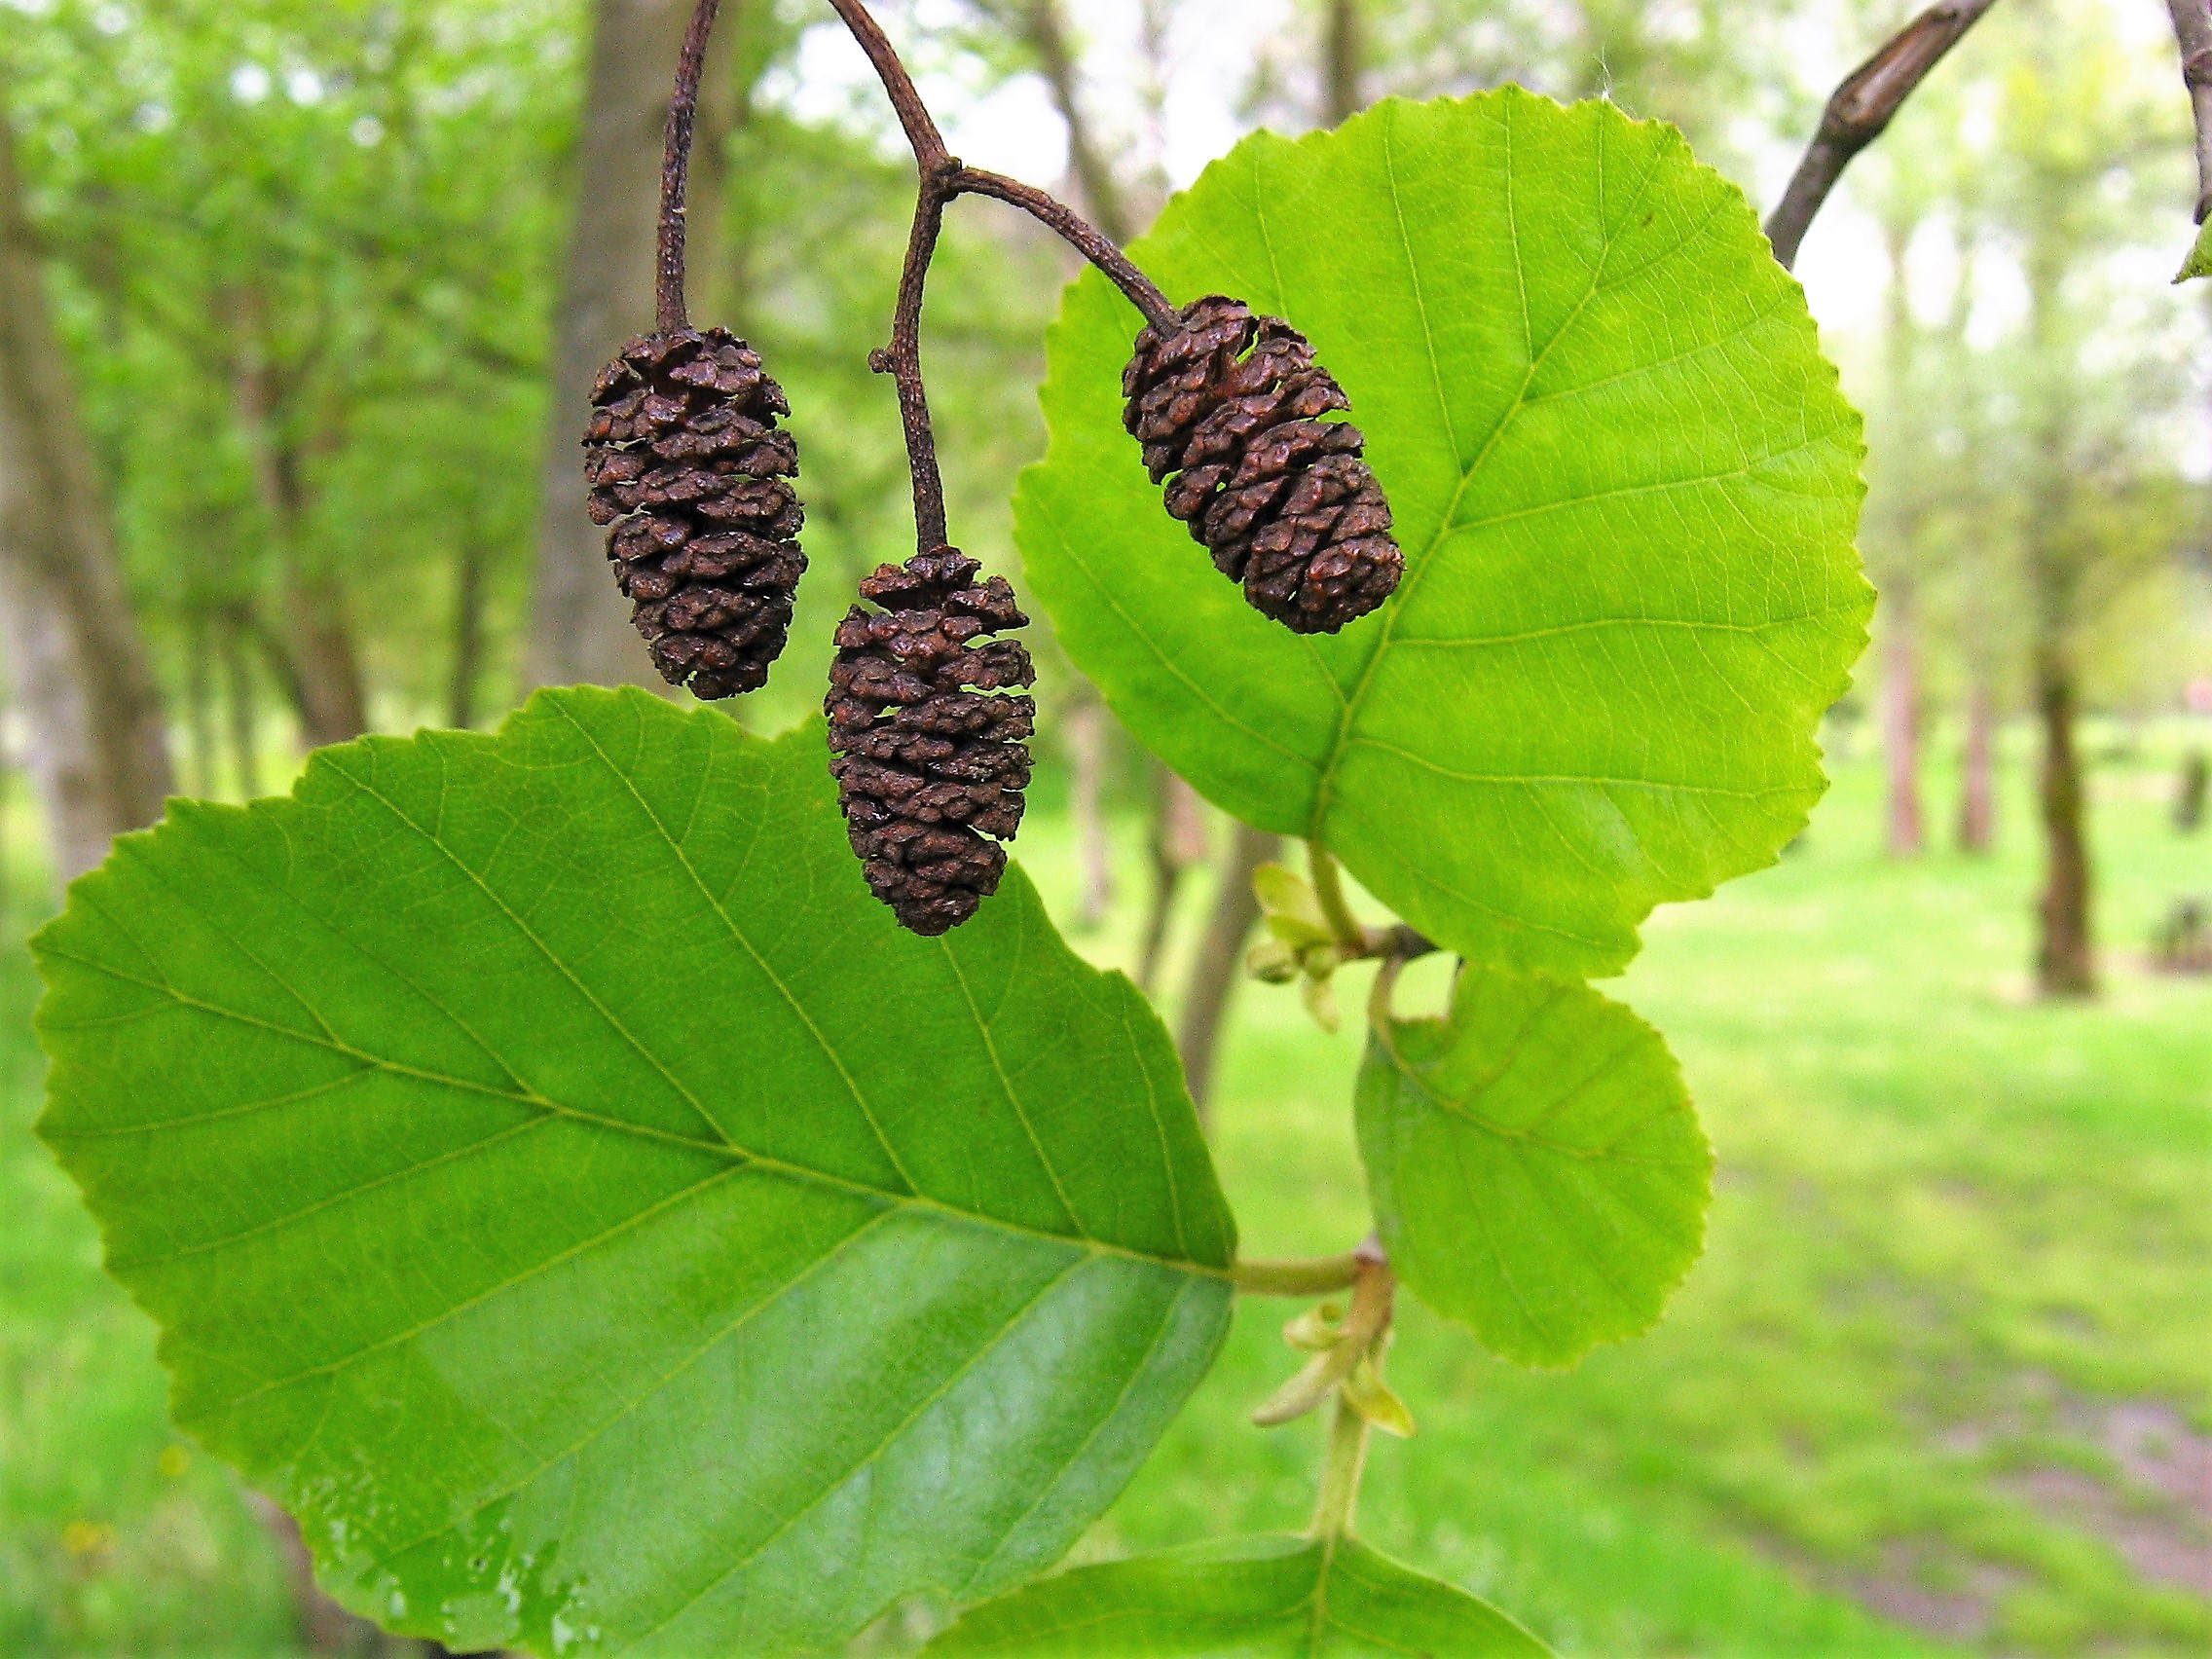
x,y
1864,104
1044,27
2193,31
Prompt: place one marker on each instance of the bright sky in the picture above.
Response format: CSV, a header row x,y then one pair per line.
x,y
1013,128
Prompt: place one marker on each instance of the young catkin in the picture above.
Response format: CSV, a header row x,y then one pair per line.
x,y
1230,408
688,464
930,760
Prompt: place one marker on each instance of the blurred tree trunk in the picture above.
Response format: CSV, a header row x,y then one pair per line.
x,y
2066,944
97,744
1900,718
200,699
238,694
468,631
2190,791
1178,846
333,706
1090,726
1044,27
2065,953
1344,56
326,666
1220,961
1178,841
1089,737
325,1628
1977,765
579,629
2057,552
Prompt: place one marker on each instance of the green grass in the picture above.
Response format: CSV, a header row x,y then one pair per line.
x,y
1953,1229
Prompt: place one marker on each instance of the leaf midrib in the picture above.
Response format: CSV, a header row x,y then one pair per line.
x,y
1325,789
759,961
738,1156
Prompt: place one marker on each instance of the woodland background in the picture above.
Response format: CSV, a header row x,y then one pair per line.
x,y
297,304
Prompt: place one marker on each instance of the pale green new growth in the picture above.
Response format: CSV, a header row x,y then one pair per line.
x,y
560,1181
1626,485
1253,1598
1535,1165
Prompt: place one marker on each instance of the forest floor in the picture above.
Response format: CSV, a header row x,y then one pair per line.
x,y
1942,1385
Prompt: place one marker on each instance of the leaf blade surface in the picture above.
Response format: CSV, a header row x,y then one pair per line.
x,y
1271,1598
559,1180
1626,484
1535,1165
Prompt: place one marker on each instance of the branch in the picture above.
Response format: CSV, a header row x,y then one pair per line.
x,y
941,179
1864,104
902,359
2193,31
676,169
1044,27
1073,229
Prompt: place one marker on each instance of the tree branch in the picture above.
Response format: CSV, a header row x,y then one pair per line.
x,y
2193,31
1079,234
902,359
676,169
1863,105
1043,26
941,179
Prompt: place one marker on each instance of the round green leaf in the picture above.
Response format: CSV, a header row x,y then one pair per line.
x,y
1251,1599
564,1185
1535,1165
1624,478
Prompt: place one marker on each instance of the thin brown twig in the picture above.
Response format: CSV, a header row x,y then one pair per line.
x,y
902,359
676,169
941,179
2193,31
1079,233
1861,107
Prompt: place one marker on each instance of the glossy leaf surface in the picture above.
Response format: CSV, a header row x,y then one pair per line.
x,y
1624,478
1253,1599
1536,1168
560,1181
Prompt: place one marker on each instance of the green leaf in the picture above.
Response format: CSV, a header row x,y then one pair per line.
x,y
559,1180
2200,260
1535,1165
1253,1599
1624,478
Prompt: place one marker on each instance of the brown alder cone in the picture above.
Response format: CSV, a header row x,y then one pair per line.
x,y
928,762
688,464
1229,408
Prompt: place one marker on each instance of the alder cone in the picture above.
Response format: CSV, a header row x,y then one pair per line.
x,y
1229,410
686,462
930,761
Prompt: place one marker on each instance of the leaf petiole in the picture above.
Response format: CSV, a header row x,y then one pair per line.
x,y
1318,1276
1340,1473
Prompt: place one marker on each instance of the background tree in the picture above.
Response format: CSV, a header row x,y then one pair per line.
x,y
92,715
579,626
2096,435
